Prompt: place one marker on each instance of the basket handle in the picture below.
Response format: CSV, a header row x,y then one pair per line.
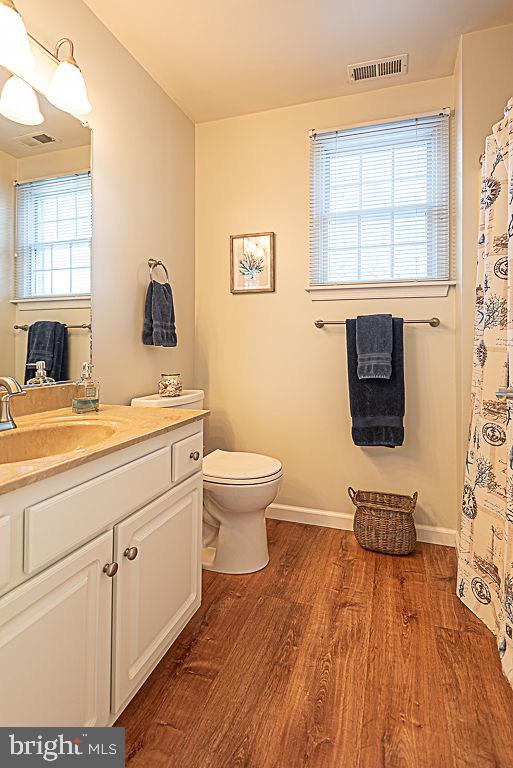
x,y
352,494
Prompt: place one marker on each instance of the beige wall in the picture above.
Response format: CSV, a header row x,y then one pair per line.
x,y
143,191
7,310
484,83
274,382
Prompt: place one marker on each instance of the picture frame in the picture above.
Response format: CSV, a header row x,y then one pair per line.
x,y
252,263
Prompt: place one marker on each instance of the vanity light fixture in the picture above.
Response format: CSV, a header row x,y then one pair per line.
x,y
67,89
15,53
19,102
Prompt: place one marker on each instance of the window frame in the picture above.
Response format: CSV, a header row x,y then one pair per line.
x,y
388,288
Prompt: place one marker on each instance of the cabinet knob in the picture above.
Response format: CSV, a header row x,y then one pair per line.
x,y
110,569
131,553
195,455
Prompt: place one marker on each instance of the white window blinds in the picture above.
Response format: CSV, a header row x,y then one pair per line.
x,y
53,237
379,203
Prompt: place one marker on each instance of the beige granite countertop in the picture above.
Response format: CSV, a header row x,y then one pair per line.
x,y
130,425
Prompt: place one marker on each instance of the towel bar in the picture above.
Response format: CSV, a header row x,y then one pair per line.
x,y
434,322
84,326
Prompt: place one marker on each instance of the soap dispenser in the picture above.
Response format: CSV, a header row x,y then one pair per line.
x,y
40,376
87,399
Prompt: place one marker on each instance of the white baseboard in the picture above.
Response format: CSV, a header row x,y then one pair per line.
x,y
429,534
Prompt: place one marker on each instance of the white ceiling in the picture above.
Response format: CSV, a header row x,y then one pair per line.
x,y
66,129
218,58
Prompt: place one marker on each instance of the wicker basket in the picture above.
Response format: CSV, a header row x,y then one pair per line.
x,y
383,522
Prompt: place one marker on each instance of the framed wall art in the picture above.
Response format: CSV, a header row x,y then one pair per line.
x,y
252,263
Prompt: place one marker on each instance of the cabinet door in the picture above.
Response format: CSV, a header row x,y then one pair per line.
x,y
55,640
157,591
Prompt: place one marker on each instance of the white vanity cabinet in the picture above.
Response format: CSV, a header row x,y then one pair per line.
x,y
5,550
158,583
102,571
55,643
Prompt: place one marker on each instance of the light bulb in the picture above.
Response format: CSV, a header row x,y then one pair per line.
x,y
67,89
19,102
15,53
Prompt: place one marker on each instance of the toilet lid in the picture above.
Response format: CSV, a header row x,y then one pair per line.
x,y
236,466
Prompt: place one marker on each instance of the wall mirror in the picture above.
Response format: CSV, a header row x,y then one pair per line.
x,y
45,237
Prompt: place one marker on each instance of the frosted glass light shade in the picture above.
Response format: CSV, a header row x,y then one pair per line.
x,y
15,53
68,91
19,102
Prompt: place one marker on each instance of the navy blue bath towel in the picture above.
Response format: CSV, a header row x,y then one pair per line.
x,y
377,405
159,316
48,341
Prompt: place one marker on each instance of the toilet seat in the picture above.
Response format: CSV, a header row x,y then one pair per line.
x,y
238,468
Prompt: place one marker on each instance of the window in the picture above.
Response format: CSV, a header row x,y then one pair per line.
x,y
379,203
53,237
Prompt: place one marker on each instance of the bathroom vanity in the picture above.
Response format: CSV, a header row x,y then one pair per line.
x,y
100,558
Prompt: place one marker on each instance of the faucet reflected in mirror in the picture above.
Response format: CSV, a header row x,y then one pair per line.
x,y
45,244
13,389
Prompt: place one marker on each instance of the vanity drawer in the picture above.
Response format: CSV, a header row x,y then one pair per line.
x,y
187,456
5,550
63,522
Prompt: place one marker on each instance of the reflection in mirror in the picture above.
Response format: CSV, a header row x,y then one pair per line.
x,y
45,243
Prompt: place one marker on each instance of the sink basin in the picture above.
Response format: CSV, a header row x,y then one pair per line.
x,y
38,442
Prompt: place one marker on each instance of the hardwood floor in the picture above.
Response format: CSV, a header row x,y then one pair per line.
x,y
331,657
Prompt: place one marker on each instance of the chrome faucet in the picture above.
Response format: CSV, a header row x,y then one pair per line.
x,y
13,388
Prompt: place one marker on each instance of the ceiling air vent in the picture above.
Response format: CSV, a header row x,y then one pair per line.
x,y
36,139
378,68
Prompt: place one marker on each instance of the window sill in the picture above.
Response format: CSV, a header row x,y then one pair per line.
x,y
53,302
427,289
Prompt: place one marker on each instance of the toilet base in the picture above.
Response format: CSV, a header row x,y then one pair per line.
x,y
240,544
234,530
208,564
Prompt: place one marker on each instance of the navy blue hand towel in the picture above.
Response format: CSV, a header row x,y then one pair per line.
x,y
48,341
159,316
377,405
374,340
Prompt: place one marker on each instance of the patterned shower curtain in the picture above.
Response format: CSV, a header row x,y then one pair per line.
x,y
485,566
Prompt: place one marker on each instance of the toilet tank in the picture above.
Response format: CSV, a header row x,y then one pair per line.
x,y
190,398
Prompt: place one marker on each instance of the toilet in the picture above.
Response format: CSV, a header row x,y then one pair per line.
x,y
237,489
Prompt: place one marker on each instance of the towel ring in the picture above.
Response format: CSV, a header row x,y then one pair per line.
x,y
153,263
